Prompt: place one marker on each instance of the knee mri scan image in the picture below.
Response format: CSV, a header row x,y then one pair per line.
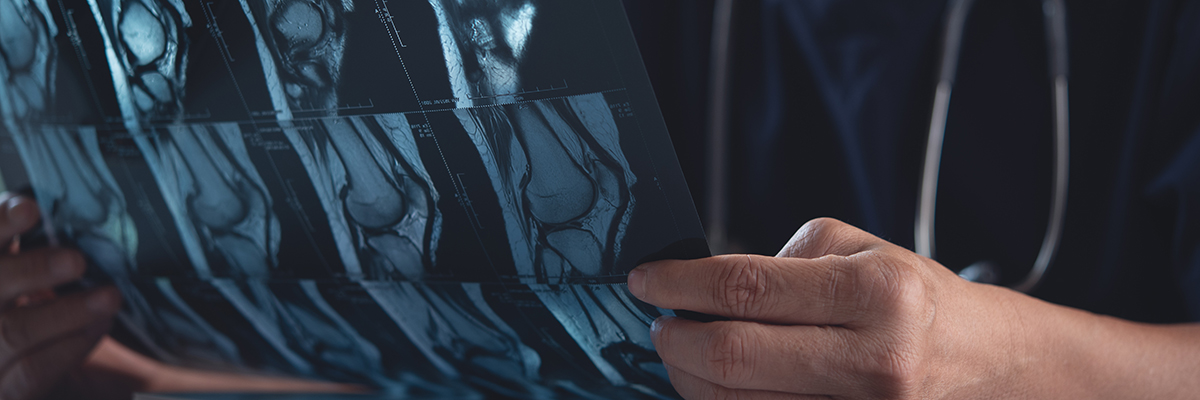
x,y
428,197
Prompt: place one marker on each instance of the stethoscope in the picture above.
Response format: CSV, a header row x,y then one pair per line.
x,y
955,20
1056,38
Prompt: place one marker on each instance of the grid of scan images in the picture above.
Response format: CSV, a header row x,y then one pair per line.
x,y
432,197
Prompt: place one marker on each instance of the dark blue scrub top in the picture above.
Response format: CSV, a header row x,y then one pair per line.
x,y
831,103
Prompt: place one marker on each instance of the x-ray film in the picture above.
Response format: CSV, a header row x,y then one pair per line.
x,y
432,197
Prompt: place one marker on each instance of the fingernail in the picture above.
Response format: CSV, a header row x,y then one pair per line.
x,y
18,210
637,282
103,301
65,264
658,324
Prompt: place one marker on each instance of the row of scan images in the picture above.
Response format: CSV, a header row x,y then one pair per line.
x,y
538,192
494,188
152,62
460,341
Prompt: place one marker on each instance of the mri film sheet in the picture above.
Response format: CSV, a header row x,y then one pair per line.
x,y
432,197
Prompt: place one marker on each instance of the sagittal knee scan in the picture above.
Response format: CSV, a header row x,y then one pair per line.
x,y
367,169
431,197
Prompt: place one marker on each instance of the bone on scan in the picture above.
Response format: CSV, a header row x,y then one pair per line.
x,y
215,203
308,37
372,201
143,34
82,193
559,190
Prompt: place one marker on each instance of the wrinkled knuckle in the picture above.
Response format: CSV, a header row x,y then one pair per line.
x,y
743,289
897,283
821,227
815,234
728,357
826,236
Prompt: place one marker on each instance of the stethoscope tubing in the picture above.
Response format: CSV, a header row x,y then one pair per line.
x,y
1054,12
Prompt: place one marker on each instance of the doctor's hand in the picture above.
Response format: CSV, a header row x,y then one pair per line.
x,y
43,338
840,313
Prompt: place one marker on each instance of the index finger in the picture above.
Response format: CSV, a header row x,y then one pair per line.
x,y
791,291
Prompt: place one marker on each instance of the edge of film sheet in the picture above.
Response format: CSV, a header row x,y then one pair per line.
x,y
431,197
